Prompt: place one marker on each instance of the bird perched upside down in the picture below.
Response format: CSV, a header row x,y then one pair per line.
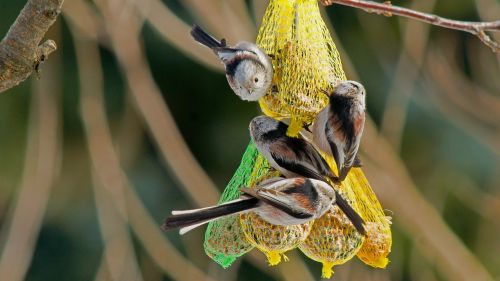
x,y
249,70
338,128
295,157
278,201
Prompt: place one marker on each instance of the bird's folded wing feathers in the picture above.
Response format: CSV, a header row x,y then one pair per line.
x,y
357,162
279,200
227,55
318,161
300,168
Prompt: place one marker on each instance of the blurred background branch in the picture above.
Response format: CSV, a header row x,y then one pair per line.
x,y
24,220
119,260
108,174
411,58
400,195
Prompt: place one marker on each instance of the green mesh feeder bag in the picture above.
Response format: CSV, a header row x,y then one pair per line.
x,y
224,238
305,61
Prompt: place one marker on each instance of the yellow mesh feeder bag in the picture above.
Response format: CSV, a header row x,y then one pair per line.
x,y
305,62
333,239
273,240
378,241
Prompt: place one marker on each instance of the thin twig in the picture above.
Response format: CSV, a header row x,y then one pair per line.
x,y
489,9
20,50
387,9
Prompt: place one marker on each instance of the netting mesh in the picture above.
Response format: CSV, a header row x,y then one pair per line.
x,y
273,240
378,241
332,241
224,238
305,62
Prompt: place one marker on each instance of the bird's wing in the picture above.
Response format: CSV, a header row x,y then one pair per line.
x,y
357,162
336,139
318,131
351,148
295,205
317,160
289,154
309,156
229,55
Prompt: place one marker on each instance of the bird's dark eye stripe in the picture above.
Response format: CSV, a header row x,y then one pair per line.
x,y
231,67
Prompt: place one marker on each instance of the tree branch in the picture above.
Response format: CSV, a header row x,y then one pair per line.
x,y
387,9
20,49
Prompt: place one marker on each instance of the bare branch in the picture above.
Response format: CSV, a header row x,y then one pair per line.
x,y
387,9
20,49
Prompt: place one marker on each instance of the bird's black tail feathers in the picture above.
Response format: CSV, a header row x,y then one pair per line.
x,y
343,173
188,220
351,214
202,37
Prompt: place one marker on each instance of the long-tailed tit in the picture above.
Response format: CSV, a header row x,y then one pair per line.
x,y
249,70
279,201
295,157
338,128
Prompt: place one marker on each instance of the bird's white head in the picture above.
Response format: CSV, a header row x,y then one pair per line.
x,y
325,188
253,76
351,89
261,125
